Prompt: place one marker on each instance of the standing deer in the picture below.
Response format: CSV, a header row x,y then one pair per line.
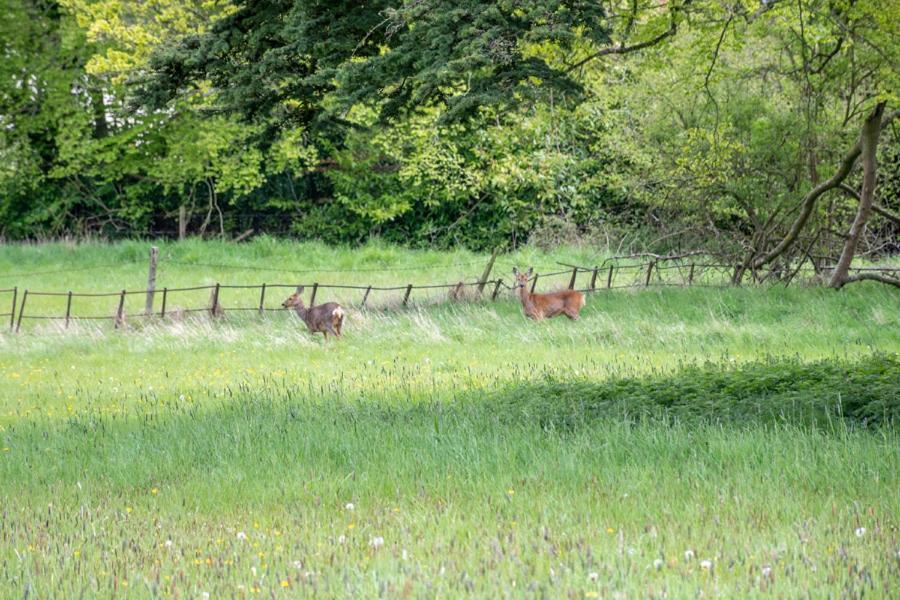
x,y
540,306
324,318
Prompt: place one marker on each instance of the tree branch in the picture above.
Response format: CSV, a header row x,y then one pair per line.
x,y
871,277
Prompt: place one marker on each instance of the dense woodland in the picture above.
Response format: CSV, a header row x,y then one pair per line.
x,y
755,130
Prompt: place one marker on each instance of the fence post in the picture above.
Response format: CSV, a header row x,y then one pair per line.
x,y
120,312
609,277
215,309
162,312
574,275
408,291
182,222
262,299
312,299
366,296
496,289
151,281
12,316
534,283
487,271
691,275
21,311
594,279
649,272
68,308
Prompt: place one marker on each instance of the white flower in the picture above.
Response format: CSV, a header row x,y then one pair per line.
x,y
593,576
706,564
860,531
658,564
404,555
168,543
349,506
181,397
205,595
688,554
341,539
377,542
767,571
241,535
298,565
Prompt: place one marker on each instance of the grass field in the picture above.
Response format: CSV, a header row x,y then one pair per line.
x,y
729,442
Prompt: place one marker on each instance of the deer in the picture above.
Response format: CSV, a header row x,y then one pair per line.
x,y
324,318
541,306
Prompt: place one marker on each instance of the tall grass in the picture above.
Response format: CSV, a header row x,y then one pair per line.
x,y
673,442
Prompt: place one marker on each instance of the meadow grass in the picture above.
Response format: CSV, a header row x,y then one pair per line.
x,y
729,442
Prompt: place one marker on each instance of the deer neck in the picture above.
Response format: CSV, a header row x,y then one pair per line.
x,y
527,299
301,311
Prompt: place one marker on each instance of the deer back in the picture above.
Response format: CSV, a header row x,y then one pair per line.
x,y
554,303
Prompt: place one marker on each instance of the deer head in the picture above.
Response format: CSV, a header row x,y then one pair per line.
x,y
521,279
295,300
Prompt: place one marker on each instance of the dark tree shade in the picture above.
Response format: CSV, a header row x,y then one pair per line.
x,y
276,60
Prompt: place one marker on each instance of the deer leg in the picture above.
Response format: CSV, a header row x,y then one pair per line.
x,y
325,333
338,323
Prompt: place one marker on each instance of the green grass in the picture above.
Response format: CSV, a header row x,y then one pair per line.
x,y
752,428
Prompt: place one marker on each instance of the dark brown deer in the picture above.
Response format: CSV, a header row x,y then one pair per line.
x,y
544,306
324,318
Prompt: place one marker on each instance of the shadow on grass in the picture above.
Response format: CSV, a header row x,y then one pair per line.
x,y
821,394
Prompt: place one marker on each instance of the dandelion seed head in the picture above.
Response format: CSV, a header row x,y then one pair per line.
x,y
593,576
658,564
349,506
706,564
688,554
860,531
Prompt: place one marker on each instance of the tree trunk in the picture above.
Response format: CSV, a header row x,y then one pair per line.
x,y
869,145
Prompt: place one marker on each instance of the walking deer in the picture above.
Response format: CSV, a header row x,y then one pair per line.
x,y
324,318
541,306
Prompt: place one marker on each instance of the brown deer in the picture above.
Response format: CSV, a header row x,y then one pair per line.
x,y
541,306
324,318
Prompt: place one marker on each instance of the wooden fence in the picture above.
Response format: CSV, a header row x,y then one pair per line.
x,y
634,271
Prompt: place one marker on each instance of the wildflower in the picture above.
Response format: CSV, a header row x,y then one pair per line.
x,y
154,491
168,543
377,542
404,555
351,525
298,565
285,583
860,531
610,530
593,576
688,554
341,539
658,564
205,595
349,506
241,535
76,553
706,564
767,571
511,492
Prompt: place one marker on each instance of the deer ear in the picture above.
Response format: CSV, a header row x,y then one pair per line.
x,y
300,289
515,270
530,270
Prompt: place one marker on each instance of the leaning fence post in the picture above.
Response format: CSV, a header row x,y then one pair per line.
x,y
594,279
68,308
215,309
574,275
408,291
312,299
487,271
162,312
366,296
262,299
496,289
120,312
21,311
151,281
649,272
609,277
691,275
12,315
534,283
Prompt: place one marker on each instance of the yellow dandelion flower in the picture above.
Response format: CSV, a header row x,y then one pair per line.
x,y
285,583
